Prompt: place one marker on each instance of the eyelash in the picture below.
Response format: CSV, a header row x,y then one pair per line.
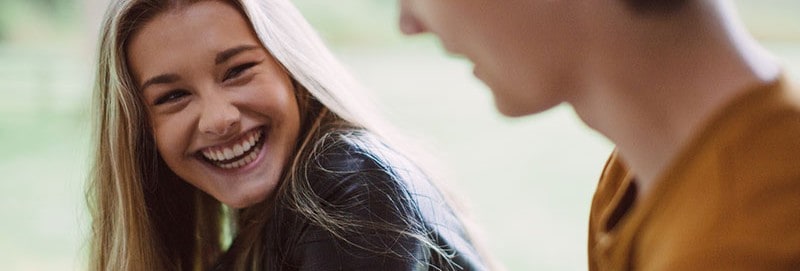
x,y
171,97
238,70
177,94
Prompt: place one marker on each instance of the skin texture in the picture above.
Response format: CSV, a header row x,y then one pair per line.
x,y
220,85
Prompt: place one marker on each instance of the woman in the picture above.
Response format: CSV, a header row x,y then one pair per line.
x,y
228,138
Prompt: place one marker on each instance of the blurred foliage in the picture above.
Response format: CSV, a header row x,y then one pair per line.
x,y
352,22
26,20
776,20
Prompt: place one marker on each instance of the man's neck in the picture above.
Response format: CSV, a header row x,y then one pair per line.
x,y
653,90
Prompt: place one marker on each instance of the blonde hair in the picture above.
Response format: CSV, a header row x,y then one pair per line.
x,y
138,204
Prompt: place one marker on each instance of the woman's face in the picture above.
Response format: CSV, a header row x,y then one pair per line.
x,y
223,112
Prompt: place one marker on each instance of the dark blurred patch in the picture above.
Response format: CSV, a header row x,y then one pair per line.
x,y
655,6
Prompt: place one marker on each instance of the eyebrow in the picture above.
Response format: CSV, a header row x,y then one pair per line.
x,y
161,79
227,54
221,57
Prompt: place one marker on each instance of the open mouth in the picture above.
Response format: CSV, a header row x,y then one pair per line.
x,y
238,154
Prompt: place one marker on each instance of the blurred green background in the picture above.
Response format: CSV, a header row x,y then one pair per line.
x,y
528,182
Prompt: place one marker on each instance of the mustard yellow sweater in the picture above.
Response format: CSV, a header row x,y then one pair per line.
x,y
730,201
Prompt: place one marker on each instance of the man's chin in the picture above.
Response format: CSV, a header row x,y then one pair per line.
x,y
519,108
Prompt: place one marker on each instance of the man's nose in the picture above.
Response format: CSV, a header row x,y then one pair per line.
x,y
409,24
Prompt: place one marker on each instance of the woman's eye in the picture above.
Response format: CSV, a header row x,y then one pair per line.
x,y
238,70
171,96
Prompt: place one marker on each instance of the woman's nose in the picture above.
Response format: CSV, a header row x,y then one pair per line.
x,y
219,117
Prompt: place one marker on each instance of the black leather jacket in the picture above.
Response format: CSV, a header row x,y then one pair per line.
x,y
358,176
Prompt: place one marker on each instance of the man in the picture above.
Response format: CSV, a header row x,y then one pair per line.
x,y
706,173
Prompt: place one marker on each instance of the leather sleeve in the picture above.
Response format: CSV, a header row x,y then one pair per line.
x,y
354,185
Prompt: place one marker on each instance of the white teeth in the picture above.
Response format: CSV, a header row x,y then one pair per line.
x,y
238,150
249,159
226,154
211,155
241,162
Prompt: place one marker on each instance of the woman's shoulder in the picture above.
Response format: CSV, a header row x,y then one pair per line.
x,y
358,168
347,151
352,161
359,175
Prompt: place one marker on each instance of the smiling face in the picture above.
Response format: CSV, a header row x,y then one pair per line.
x,y
524,50
223,112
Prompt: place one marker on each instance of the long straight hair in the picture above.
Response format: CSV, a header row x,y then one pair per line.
x,y
140,208
147,218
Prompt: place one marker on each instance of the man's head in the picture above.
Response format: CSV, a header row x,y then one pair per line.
x,y
531,53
